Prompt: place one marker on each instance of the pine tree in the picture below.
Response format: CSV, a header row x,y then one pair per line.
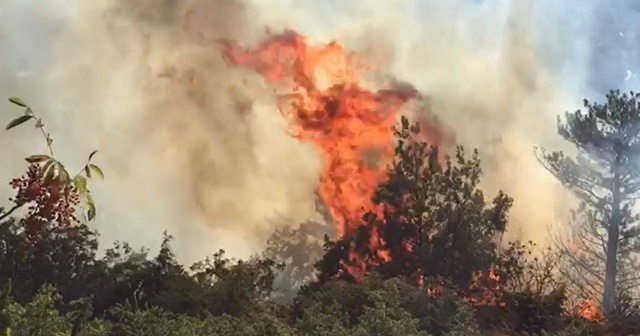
x,y
604,176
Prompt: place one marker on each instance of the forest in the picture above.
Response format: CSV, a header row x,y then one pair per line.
x,y
427,259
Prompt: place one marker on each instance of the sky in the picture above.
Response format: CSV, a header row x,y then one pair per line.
x,y
144,83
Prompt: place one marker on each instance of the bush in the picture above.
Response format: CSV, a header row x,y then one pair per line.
x,y
376,306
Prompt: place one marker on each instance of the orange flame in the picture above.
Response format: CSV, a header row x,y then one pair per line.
x,y
589,309
317,87
351,125
486,289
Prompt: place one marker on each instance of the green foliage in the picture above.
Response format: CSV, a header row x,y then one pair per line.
x,y
387,316
18,101
63,257
379,307
18,121
39,317
157,322
52,170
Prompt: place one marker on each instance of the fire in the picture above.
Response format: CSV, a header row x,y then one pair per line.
x,y
317,87
589,310
486,289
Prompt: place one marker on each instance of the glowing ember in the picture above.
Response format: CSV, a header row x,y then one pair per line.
x,y
486,289
351,125
589,310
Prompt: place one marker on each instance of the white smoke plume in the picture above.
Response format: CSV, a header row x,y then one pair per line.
x,y
196,147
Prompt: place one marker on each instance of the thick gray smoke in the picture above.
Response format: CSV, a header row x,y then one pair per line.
x,y
196,147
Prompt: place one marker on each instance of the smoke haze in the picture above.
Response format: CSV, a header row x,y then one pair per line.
x,y
198,148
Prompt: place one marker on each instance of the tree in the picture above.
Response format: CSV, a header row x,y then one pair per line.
x,y
40,316
605,177
582,247
435,221
298,249
215,286
64,257
47,244
533,293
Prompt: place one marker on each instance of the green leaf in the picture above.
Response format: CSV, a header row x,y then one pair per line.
x,y
47,165
39,123
80,182
48,171
38,158
87,171
91,213
96,170
18,121
17,101
91,155
63,175
49,142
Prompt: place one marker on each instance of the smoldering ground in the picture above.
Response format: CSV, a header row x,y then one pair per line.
x,y
194,146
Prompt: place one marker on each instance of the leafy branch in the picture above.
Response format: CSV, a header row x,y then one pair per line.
x,y
50,169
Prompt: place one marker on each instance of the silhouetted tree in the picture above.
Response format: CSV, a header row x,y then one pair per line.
x,y
63,257
605,176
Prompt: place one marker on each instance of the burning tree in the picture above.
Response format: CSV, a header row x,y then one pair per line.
x,y
434,221
427,216
605,177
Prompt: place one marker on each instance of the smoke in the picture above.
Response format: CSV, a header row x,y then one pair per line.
x,y
188,144
195,147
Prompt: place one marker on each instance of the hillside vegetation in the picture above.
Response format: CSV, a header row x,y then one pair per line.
x,y
438,264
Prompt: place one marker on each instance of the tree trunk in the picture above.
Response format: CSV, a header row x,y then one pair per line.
x,y
613,236
611,270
